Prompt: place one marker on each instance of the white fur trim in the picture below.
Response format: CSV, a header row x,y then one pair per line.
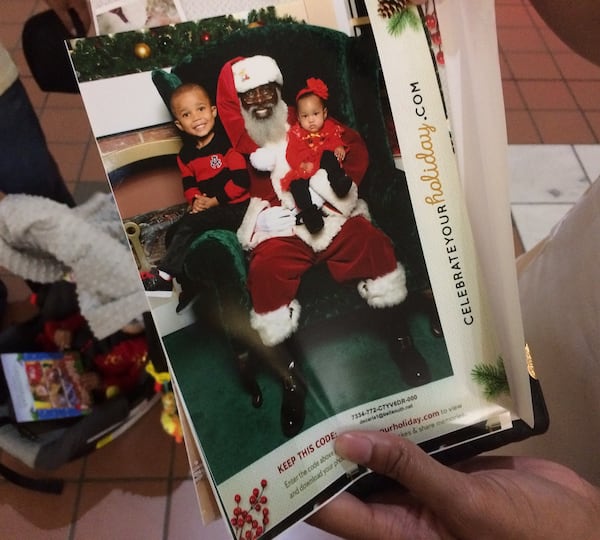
x,y
385,291
245,233
276,326
280,169
255,71
345,205
321,240
361,209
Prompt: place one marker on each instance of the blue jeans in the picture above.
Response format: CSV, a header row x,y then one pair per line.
x,y
26,165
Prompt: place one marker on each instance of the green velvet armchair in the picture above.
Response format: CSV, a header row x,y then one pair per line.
x,y
350,67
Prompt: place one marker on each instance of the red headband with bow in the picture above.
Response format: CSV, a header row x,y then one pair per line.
x,y
316,87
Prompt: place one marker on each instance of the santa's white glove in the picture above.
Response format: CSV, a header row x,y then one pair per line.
x,y
276,219
263,159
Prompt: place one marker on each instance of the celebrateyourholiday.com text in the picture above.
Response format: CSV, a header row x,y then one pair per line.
x,y
436,200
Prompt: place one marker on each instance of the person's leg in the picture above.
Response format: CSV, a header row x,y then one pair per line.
x,y
340,182
275,269
191,226
185,231
309,214
26,165
274,274
362,252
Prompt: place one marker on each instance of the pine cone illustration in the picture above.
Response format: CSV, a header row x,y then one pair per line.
x,y
388,8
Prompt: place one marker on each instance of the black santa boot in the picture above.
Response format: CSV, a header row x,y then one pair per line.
x,y
292,403
247,372
340,182
393,322
286,364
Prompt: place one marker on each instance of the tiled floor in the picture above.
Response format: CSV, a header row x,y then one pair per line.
x,y
139,485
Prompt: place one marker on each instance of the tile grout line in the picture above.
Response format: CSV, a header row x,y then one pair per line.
x,y
566,82
77,502
169,496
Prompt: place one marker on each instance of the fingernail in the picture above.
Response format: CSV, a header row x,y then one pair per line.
x,y
353,447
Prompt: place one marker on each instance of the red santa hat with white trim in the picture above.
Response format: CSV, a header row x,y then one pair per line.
x,y
255,71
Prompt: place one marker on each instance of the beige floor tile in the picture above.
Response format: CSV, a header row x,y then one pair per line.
x,y
521,128
587,94
92,170
181,464
528,66
121,510
563,127
30,515
70,158
573,66
185,517
547,95
65,125
144,451
512,96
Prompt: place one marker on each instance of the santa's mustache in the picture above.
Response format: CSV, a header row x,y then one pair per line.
x,y
267,130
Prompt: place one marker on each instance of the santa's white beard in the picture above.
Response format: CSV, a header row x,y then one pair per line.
x,y
270,130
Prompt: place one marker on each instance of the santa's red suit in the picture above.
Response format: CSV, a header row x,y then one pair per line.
x,y
282,251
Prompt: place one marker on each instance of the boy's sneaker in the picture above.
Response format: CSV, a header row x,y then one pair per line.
x,y
155,285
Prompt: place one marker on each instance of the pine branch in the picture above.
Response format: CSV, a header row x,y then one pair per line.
x,y
492,377
402,20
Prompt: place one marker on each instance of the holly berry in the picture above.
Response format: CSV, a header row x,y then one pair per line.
x,y
244,520
440,57
436,38
431,21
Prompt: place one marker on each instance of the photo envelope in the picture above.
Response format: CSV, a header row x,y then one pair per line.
x,y
422,88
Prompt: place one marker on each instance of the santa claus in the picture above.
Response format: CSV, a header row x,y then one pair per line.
x,y
281,249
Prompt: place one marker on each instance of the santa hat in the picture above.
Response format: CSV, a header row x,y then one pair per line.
x,y
252,72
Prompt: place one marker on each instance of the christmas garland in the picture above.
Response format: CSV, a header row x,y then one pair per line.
x,y
143,50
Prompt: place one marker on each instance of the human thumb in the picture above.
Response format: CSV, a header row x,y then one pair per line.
x,y
434,484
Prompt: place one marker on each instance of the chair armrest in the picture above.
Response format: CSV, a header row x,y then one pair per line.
x,y
216,258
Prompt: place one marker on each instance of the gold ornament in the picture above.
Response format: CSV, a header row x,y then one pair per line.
x,y
142,50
